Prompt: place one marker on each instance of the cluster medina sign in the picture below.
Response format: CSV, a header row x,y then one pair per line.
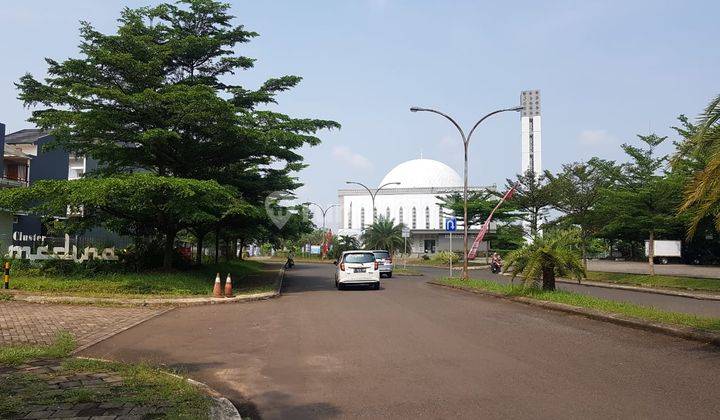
x,y
61,252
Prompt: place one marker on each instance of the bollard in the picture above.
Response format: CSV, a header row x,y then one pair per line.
x,y
6,275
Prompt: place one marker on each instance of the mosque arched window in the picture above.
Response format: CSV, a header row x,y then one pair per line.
x,y
349,217
401,216
427,217
362,217
414,218
387,212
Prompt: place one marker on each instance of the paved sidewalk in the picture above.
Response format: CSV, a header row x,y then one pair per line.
x,y
50,379
31,323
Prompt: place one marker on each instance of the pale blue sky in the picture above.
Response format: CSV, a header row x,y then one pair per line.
x,y
607,70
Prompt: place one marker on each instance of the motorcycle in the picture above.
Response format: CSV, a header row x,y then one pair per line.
x,y
290,263
495,266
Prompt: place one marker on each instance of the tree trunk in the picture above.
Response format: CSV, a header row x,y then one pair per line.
x,y
169,250
198,257
651,253
242,246
548,278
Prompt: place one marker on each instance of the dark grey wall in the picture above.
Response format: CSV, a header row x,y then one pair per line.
x,y
49,164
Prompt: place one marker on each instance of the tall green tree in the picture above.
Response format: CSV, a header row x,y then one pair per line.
x,y
159,95
532,199
383,234
643,204
576,190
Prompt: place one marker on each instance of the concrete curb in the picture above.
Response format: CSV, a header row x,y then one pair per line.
x,y
193,301
671,330
222,408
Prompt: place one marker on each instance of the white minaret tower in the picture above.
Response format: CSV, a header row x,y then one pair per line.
x,y
530,126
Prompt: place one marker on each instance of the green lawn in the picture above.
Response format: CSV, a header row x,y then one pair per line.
x,y
576,299
142,384
247,276
644,280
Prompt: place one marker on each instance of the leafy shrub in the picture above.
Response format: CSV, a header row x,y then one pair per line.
x,y
444,257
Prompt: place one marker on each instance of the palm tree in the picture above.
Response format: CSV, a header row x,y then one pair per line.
x,y
702,196
383,234
344,243
552,254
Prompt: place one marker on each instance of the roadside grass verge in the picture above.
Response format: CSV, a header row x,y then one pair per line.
x,y
647,313
141,384
18,354
247,276
644,280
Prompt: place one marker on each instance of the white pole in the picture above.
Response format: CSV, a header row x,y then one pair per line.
x,y
405,259
451,253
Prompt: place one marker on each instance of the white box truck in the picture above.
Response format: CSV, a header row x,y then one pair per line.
x,y
665,250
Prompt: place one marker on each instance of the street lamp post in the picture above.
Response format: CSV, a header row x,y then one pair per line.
x,y
466,143
372,194
323,211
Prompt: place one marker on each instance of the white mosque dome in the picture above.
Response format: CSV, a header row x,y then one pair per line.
x,y
423,173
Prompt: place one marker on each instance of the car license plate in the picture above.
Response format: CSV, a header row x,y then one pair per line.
x,y
359,270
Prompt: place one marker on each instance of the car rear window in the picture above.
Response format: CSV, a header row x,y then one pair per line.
x,y
382,255
364,257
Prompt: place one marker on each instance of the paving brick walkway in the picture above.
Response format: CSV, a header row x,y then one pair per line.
x,y
31,323
52,382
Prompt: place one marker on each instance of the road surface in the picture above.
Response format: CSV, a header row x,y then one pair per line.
x,y
412,350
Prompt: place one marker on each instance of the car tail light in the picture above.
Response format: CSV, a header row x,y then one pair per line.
x,y
376,265
342,266
389,260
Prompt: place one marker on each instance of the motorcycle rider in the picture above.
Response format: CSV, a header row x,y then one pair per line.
x,y
495,263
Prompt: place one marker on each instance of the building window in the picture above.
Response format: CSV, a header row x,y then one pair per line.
x,y
441,218
362,217
350,217
387,212
414,218
400,216
427,217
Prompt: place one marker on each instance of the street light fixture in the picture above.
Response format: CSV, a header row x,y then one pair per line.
x,y
322,210
372,195
466,143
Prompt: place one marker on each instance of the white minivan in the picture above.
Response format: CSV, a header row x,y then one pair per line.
x,y
357,267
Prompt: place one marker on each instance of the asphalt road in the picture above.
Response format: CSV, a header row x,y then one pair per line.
x,y
708,308
414,350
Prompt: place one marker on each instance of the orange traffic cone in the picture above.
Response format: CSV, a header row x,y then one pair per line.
x,y
217,289
228,286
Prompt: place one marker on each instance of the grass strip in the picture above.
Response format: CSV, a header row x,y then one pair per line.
x,y
248,277
644,280
647,313
17,354
142,384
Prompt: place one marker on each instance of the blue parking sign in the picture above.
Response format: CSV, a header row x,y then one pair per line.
x,y
451,224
